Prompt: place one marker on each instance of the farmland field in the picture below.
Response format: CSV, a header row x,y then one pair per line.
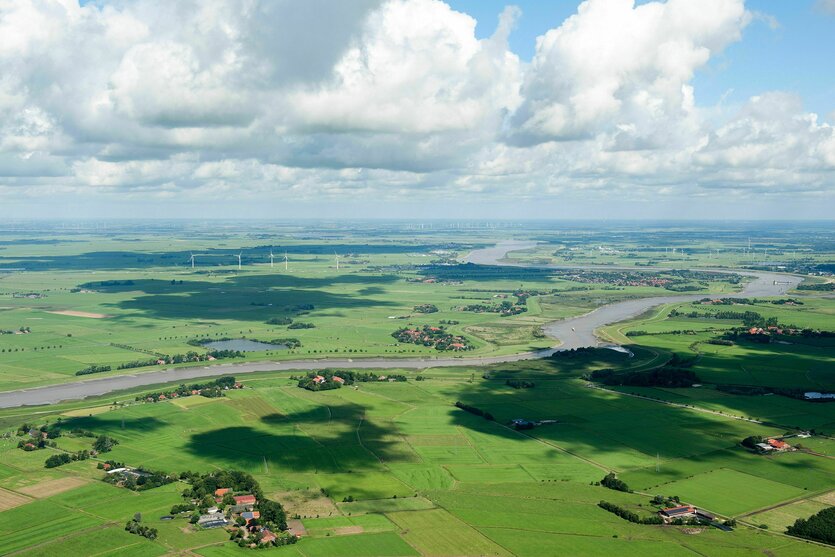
x,y
394,466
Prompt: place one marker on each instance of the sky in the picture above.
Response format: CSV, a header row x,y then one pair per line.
x,y
281,109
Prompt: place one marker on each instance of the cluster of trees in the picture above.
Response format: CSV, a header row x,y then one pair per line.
x,y
748,318
190,356
300,325
212,389
572,353
104,444
520,384
674,373
88,285
631,516
253,537
504,309
310,383
203,486
474,410
752,441
611,481
279,321
426,308
822,287
757,390
93,369
111,464
818,527
430,336
65,458
135,526
22,330
140,479
52,431
35,444
721,341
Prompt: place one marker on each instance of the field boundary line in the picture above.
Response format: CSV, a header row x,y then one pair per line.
x,y
680,405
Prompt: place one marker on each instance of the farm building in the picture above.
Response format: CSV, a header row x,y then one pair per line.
x,y
814,395
249,515
221,491
764,447
779,445
212,520
267,536
245,500
682,511
704,515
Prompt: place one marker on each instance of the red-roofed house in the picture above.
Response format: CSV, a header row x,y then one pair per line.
x,y
677,512
339,380
777,444
245,500
318,379
267,536
221,491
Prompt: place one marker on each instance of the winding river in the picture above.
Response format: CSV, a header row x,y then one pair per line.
x,y
571,333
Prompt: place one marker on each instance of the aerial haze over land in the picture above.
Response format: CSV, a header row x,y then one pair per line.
x,y
417,278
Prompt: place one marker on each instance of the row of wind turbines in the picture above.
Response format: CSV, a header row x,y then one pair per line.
x,y
193,257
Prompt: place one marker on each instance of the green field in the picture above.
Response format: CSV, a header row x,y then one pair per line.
x,y
395,468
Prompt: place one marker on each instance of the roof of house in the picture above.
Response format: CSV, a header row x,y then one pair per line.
x,y
244,499
777,444
248,515
221,491
680,510
267,536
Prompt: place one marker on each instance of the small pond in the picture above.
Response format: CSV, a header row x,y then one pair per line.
x,y
243,345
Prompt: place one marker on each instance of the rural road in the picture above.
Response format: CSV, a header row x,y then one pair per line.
x,y
574,332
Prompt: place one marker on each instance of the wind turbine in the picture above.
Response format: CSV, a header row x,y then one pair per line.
x,y
239,260
271,259
192,261
337,260
286,261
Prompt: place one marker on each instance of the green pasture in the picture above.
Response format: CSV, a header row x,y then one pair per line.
x,y
397,469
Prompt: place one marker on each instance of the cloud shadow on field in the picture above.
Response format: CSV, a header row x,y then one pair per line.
x,y
246,298
332,439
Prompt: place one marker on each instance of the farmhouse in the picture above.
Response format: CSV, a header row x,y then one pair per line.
x,y
245,500
250,515
779,445
267,536
221,491
682,511
339,380
764,447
